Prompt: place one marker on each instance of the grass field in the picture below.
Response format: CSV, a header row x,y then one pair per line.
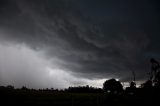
x,y
20,97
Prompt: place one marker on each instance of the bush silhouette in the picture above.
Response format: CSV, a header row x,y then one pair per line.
x,y
112,86
147,84
132,84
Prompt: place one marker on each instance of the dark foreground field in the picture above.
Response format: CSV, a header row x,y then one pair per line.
x,y
22,97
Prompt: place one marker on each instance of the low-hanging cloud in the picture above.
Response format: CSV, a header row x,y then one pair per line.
x,y
22,66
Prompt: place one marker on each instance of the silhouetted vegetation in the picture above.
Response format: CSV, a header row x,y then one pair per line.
x,y
112,86
111,94
84,89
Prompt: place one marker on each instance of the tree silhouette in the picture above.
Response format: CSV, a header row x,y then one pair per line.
x,y
131,90
155,68
133,84
112,86
147,84
157,80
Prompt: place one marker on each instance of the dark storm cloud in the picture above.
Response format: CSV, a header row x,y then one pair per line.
x,y
93,39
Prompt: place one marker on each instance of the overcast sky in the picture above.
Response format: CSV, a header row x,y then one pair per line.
x,y
61,43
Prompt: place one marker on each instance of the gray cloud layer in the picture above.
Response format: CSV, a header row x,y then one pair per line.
x,y
105,42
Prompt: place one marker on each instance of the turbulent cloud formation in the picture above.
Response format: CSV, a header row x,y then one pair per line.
x,y
79,41
22,66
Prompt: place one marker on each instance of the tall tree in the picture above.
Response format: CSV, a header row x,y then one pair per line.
x,y
112,86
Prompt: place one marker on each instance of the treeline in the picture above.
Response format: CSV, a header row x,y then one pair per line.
x,y
110,86
77,89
